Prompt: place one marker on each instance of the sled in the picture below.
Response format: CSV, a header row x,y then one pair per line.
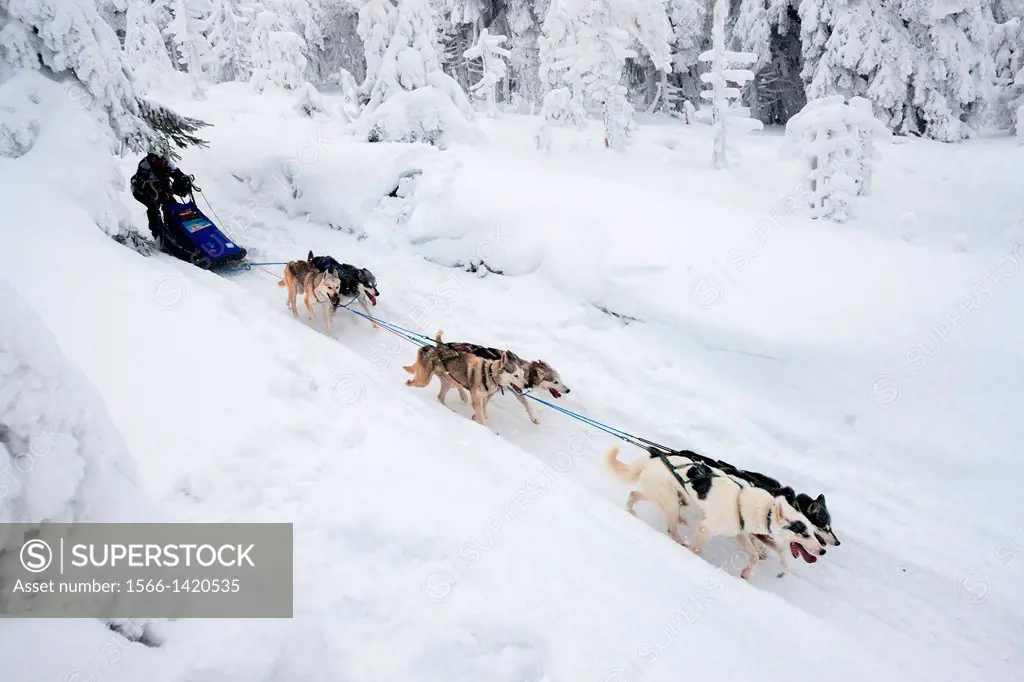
x,y
196,235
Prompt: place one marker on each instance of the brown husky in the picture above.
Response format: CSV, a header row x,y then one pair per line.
x,y
318,287
539,374
481,377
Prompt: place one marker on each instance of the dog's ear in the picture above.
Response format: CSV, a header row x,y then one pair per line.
x,y
309,258
821,499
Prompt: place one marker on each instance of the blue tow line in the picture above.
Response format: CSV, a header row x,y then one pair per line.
x,y
421,339
416,337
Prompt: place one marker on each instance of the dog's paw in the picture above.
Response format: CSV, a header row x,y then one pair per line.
x,y
762,555
535,420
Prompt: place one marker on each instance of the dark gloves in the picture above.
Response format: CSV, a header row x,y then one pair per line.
x,y
182,185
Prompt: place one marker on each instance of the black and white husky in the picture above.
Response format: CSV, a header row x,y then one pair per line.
x,y
726,506
814,508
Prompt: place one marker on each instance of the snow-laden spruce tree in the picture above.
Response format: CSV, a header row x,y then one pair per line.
x,y
726,77
277,54
413,100
68,40
230,37
602,48
562,104
835,139
647,22
1007,47
189,23
144,45
306,19
375,27
524,61
489,51
689,22
926,66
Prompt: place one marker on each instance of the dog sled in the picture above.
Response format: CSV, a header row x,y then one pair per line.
x,y
193,237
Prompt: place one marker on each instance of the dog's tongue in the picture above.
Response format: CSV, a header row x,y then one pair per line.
x,y
798,551
555,393
373,299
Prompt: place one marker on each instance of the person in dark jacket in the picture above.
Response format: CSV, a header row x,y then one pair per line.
x,y
154,184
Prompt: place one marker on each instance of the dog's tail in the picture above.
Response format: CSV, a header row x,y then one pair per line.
x,y
420,368
627,473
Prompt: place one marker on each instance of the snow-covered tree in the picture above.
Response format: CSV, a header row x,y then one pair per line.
x,y
836,140
726,78
188,31
647,23
412,98
376,26
557,40
688,19
924,65
489,51
144,45
230,40
602,48
412,52
305,18
68,39
524,61
562,104
458,24
277,54
1007,47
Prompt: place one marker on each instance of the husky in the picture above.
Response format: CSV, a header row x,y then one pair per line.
x,y
726,507
359,283
319,287
539,374
480,377
814,508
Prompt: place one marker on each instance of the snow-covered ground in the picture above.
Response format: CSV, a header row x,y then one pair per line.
x,y
878,362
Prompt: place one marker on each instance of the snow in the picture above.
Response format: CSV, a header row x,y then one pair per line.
x,y
62,458
839,359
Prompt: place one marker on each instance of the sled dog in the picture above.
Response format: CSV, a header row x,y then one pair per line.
x,y
318,287
355,282
539,374
480,377
726,507
814,508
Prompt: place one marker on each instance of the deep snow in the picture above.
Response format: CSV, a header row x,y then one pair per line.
x,y
428,547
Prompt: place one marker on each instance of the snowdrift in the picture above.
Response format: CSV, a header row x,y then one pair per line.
x,y
62,457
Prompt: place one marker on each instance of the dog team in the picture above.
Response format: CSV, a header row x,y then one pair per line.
x,y
754,508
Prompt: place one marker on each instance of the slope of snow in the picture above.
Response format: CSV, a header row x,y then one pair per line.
x,y
62,459
428,547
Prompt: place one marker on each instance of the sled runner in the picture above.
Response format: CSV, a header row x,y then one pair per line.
x,y
195,238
